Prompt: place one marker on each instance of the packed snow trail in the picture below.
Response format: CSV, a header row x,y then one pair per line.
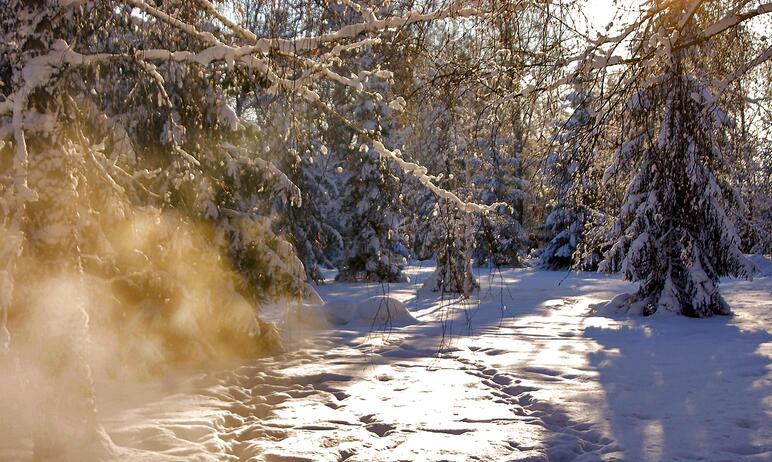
x,y
526,372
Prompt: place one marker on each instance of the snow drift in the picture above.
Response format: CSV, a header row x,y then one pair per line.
x,y
378,312
383,311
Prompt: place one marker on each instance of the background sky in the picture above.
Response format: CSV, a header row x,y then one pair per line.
x,y
601,12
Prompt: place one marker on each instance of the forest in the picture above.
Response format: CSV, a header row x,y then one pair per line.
x,y
382,230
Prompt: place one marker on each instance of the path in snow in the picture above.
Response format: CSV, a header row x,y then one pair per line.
x,y
525,374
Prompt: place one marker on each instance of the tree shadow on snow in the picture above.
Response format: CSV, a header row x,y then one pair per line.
x,y
681,388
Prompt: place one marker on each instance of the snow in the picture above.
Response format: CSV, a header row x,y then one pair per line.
x,y
763,264
527,365
383,311
421,174
378,312
525,370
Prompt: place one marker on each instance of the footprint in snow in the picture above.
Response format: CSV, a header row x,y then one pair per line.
x,y
542,371
571,439
379,428
449,431
747,424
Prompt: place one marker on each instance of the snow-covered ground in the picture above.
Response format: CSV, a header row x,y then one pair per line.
x,y
524,372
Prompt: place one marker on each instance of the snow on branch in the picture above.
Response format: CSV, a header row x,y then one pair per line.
x,y
594,58
420,172
243,156
411,168
250,55
304,44
41,70
733,19
236,28
765,56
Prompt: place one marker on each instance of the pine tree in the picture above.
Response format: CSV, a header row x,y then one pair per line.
x,y
676,232
576,194
499,238
371,207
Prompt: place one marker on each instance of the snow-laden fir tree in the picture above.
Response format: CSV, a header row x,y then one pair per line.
x,y
754,180
38,229
499,236
428,137
436,135
759,222
310,226
127,176
452,232
518,41
677,230
573,186
370,210
292,136
752,143
418,206
371,221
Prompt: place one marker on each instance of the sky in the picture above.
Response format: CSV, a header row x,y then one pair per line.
x,y
601,12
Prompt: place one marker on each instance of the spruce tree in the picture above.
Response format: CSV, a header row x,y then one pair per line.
x,y
499,238
573,186
371,222
310,224
370,209
452,239
677,230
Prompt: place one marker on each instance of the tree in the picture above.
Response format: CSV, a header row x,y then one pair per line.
x,y
371,208
453,240
576,193
677,229
371,222
500,237
312,233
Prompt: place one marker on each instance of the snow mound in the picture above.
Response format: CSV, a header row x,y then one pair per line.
x,y
429,288
377,311
311,296
763,263
619,303
624,304
383,310
306,317
339,313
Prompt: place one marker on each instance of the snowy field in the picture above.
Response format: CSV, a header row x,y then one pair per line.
x,y
525,372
